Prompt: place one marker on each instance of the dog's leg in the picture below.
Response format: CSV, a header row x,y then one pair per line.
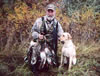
x,y
70,63
61,63
74,60
65,60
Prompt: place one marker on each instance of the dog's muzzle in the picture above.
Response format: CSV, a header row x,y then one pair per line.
x,y
62,42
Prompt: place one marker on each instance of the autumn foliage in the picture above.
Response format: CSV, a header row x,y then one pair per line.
x,y
16,26
16,23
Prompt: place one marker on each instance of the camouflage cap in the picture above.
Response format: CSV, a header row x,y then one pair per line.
x,y
51,6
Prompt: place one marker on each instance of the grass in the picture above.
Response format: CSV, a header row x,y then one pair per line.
x,y
88,63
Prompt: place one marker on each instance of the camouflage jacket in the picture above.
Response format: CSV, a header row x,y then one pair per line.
x,y
36,29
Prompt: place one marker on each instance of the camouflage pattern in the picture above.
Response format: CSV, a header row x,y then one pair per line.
x,y
36,29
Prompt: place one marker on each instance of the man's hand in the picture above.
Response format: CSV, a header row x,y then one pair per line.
x,y
41,36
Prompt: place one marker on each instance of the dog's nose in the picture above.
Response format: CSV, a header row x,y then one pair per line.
x,y
62,42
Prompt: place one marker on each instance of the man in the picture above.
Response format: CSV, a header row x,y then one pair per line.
x,y
48,25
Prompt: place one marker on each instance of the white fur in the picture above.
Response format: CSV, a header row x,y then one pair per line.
x,y
68,50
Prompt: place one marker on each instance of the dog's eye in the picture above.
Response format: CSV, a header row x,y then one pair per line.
x,y
63,36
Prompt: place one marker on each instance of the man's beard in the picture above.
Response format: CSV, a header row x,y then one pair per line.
x,y
50,18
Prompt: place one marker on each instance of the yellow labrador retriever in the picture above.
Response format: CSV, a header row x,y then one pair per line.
x,y
68,50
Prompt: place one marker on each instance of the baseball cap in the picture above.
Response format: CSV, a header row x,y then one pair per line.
x,y
51,6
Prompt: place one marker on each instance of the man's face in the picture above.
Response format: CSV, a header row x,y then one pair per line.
x,y
50,13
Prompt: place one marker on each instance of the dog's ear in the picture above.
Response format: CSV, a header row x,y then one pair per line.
x,y
69,36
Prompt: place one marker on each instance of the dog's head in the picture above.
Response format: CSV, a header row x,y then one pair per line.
x,y
65,36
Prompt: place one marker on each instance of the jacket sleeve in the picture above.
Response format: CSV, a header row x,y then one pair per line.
x,y
36,28
60,30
